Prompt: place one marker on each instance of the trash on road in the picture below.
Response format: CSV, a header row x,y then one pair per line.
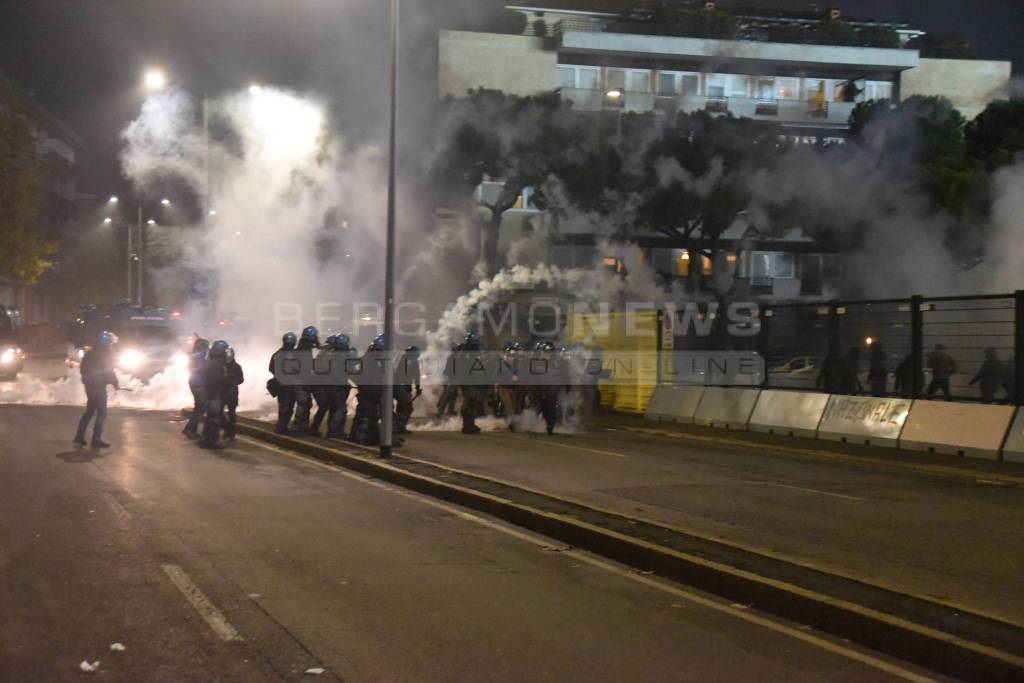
x,y
87,668
316,671
117,647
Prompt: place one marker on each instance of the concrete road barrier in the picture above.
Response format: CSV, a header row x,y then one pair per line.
x,y
965,429
864,419
793,413
726,407
1013,449
674,403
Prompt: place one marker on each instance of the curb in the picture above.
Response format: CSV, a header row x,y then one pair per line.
x,y
933,649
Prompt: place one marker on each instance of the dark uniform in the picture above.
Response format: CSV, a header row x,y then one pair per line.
x,y
216,393
285,395
991,376
449,396
308,342
197,384
943,367
546,395
472,394
366,423
97,372
406,392
332,401
511,394
235,377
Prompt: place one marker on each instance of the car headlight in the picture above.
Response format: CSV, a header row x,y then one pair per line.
x,y
8,356
180,360
131,360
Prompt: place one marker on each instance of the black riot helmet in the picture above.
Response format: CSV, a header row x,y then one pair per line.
x,y
289,340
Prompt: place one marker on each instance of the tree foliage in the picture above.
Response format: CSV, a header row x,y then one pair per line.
x,y
996,137
24,251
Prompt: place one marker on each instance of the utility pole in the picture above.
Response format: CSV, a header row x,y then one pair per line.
x,y
142,242
388,394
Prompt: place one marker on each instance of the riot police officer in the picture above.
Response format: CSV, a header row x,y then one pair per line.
x,y
546,394
408,390
235,377
365,424
332,401
511,395
97,372
216,392
285,395
308,342
197,384
472,394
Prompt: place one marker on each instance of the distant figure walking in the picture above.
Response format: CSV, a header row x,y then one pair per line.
x,y
991,376
943,367
878,371
97,373
849,382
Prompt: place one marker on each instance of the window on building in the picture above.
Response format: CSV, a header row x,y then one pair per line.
x,y
739,86
683,262
616,79
579,77
716,86
788,88
667,84
673,83
766,88
566,77
772,264
877,90
638,80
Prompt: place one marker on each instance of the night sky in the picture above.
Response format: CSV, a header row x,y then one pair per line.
x,y
83,58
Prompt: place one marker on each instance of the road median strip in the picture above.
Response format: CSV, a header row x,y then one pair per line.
x,y
939,637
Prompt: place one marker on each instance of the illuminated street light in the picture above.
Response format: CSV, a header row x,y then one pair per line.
x,y
614,95
112,200
154,79
255,89
151,222
108,221
165,202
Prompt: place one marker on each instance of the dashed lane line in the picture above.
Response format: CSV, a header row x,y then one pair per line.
x,y
213,616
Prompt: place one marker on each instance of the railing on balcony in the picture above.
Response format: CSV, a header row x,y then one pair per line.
x,y
784,111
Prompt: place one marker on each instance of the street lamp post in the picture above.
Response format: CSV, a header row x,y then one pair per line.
x,y
388,395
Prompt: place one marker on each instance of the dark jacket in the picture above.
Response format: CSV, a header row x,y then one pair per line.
x,y
234,378
216,380
942,365
98,370
197,369
992,376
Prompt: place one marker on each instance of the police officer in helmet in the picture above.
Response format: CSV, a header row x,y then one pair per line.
x,y
308,342
197,384
97,372
284,394
472,394
216,393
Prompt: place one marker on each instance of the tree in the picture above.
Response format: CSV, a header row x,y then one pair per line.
x,y
516,141
996,136
24,252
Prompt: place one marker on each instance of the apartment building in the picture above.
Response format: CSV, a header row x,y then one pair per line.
x,y
805,71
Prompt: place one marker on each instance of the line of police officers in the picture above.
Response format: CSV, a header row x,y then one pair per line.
x,y
508,400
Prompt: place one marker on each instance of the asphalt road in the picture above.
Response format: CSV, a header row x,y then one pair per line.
x,y
958,539
253,564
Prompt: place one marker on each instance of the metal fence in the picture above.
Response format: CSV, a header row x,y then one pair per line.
x,y
902,347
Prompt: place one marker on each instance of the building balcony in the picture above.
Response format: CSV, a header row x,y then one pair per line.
x,y
805,113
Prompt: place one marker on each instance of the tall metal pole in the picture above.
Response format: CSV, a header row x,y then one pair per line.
x,y
142,246
388,393
128,264
206,161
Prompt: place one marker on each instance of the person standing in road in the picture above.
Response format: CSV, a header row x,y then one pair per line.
x,y
216,392
235,377
197,384
943,367
408,390
97,372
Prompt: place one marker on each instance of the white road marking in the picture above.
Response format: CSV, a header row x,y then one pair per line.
x,y
213,616
820,493
586,450
657,584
